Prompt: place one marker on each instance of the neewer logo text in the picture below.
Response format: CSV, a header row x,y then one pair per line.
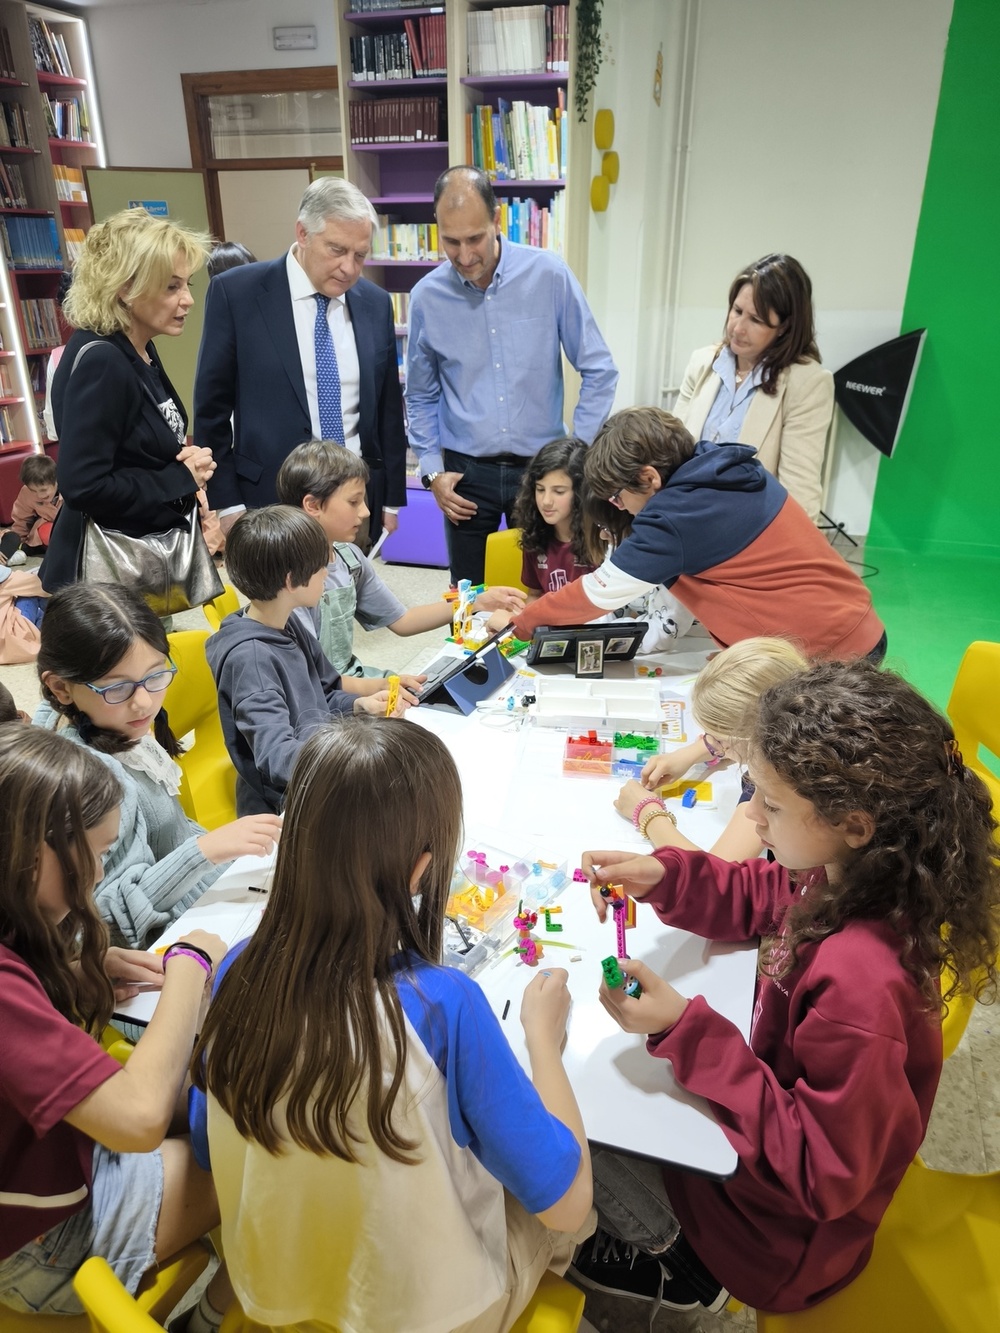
x,y
866,388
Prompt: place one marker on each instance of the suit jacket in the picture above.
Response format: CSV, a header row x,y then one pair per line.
x,y
250,404
788,430
117,454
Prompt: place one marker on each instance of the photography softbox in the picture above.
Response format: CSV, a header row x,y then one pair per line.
x,y
873,390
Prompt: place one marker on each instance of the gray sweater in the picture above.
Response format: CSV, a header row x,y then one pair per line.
x,y
275,689
155,870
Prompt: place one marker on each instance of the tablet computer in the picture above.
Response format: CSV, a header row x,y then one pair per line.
x,y
554,644
461,682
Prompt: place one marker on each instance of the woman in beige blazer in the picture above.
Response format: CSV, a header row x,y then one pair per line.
x,y
763,384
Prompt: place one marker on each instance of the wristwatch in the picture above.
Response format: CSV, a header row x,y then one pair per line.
x,y
428,479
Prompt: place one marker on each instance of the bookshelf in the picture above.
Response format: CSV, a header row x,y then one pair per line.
x,y
50,132
382,50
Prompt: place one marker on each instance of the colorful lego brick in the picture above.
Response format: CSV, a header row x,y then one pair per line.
x,y
629,740
633,988
689,799
648,671
612,973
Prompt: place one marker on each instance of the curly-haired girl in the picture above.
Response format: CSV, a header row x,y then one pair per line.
x,y
885,870
549,512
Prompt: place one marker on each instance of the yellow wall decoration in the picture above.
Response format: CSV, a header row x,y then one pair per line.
x,y
610,167
600,193
604,129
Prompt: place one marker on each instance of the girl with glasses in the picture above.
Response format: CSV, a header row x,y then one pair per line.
x,y
104,667
725,699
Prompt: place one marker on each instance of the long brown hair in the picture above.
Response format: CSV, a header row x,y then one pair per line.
x,y
781,287
52,792
309,1011
849,737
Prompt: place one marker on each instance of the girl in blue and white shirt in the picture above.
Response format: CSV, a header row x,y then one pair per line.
x,y
382,1161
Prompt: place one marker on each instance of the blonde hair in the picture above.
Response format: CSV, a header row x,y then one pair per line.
x,y
727,692
129,249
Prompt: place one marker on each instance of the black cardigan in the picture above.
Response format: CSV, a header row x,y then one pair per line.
x,y
116,452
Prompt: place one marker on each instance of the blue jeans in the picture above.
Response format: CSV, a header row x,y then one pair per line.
x,y
492,485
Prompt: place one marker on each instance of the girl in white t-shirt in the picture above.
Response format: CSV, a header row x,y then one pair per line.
x,y
382,1161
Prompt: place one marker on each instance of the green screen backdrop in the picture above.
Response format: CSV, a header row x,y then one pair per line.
x,y
940,493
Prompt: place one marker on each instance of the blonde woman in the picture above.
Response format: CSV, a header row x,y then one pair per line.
x,y
725,699
123,460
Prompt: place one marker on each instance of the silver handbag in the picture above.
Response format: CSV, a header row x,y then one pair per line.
x,y
172,570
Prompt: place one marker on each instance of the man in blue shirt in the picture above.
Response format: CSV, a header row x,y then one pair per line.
x,y
484,382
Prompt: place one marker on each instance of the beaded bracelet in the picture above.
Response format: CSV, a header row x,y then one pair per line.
x,y
185,950
650,800
655,814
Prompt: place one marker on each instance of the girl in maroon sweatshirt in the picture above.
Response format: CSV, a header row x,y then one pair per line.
x,y
885,869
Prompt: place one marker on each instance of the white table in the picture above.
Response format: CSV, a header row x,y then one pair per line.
x,y
518,799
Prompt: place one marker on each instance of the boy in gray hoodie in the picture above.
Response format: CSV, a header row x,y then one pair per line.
x,y
275,686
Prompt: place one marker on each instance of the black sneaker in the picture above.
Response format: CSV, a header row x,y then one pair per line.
x,y
613,1266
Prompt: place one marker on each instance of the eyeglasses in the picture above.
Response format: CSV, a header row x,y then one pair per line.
x,y
714,746
122,690
616,499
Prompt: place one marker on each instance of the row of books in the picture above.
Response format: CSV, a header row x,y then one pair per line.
x,y
8,69
69,183
395,120
402,341
374,6
400,307
15,127
12,191
31,242
419,52
528,39
74,238
67,118
7,389
405,240
41,323
529,223
8,425
518,141
48,47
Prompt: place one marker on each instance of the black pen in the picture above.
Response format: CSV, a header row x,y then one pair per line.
x,y
506,1010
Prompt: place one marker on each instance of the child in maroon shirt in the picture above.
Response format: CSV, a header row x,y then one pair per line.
x,y
549,513
885,870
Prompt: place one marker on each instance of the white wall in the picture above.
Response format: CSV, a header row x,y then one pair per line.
x,y
141,50
810,130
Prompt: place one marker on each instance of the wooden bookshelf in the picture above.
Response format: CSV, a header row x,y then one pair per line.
x,y
29,277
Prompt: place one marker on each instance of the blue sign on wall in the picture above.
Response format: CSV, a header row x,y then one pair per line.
x,y
156,207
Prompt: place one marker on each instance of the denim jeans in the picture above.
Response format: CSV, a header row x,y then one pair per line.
x,y
632,1204
492,485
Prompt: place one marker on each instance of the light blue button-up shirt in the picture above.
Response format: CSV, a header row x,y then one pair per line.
x,y
725,419
484,369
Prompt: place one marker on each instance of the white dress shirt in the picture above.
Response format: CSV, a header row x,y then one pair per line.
x,y
339,319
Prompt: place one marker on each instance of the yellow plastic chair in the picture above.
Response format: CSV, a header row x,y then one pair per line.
x,y
110,1308
556,1307
503,559
208,782
935,1267
116,1045
976,719
974,713
223,605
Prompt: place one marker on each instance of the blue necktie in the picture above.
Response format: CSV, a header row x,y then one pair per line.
x,y
331,417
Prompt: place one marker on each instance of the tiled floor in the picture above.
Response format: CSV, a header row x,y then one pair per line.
x,y
932,612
